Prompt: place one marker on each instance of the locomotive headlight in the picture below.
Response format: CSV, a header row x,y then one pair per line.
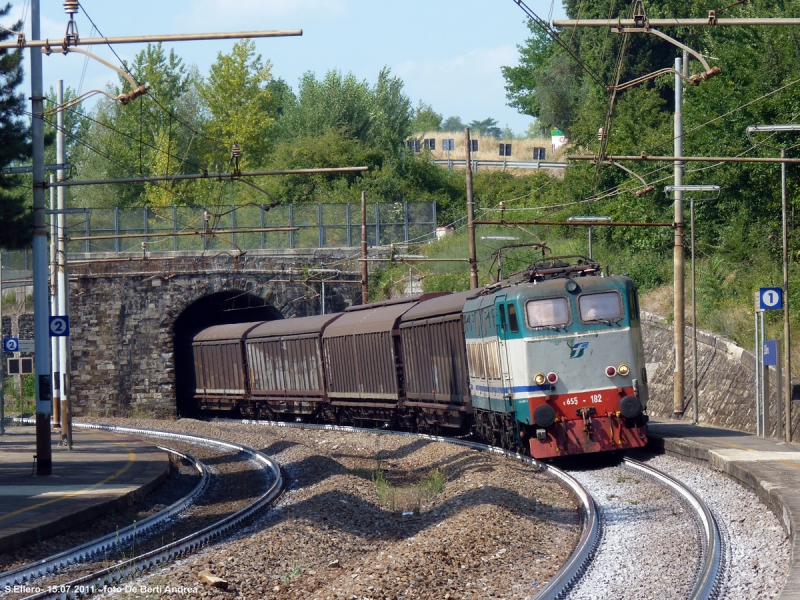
x,y
623,370
611,371
539,379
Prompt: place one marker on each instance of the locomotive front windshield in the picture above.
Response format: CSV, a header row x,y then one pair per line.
x,y
550,312
600,307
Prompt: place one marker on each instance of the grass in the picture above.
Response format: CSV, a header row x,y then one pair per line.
x,y
294,571
409,498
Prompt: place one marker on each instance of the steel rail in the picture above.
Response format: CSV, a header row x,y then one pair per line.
x,y
99,547
559,585
98,581
707,584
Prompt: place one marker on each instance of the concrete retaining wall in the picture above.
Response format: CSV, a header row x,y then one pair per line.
x,y
725,372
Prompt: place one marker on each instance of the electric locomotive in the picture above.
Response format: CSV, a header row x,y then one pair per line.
x,y
556,362
549,362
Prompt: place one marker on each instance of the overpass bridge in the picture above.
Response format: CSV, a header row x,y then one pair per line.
x,y
133,314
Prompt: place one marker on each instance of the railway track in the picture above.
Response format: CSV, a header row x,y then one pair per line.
x,y
707,582
34,575
575,572
669,533
111,543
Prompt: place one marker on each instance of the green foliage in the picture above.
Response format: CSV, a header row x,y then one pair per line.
x,y
425,119
153,135
453,124
240,104
487,127
16,225
28,386
379,115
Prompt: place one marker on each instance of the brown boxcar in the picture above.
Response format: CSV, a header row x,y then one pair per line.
x,y
284,361
220,373
434,359
363,360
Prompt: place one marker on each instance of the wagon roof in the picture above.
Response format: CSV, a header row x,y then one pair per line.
x,y
235,331
282,327
368,320
436,307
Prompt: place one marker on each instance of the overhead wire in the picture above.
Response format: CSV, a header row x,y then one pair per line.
x,y
218,143
124,134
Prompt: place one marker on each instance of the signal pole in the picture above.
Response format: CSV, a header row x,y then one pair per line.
x,y
473,258
678,265
41,313
41,333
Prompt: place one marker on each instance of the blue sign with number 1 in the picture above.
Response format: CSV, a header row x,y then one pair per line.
x,y
770,298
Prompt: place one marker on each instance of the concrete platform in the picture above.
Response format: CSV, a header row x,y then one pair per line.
x,y
103,472
771,468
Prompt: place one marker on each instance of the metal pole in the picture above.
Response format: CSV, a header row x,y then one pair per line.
x,y
364,271
473,259
54,307
763,378
2,366
41,329
669,22
678,333
66,356
645,158
779,392
63,282
35,42
590,243
217,176
758,380
787,343
694,322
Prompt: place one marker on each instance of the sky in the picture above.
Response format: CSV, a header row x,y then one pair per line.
x,y
447,53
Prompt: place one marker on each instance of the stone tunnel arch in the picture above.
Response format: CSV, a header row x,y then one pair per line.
x,y
219,308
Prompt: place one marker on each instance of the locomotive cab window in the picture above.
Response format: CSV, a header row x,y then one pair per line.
x,y
606,306
502,310
513,320
550,312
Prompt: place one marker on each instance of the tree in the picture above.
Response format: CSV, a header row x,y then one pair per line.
x,y
425,119
16,225
240,104
453,124
486,127
378,115
156,134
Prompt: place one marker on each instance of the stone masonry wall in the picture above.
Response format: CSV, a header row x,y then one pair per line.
x,y
122,323
725,372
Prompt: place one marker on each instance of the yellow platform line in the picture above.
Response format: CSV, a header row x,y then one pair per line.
x,y
131,460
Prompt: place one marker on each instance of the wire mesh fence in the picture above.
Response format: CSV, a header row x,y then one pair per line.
x,y
228,227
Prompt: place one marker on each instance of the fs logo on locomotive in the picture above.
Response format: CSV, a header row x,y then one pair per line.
x,y
577,349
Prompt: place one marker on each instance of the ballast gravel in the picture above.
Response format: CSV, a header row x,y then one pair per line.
x,y
758,551
649,546
370,516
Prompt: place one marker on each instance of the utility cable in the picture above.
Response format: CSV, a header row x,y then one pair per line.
x,y
544,25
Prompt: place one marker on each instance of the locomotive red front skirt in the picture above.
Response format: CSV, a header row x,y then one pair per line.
x,y
587,422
